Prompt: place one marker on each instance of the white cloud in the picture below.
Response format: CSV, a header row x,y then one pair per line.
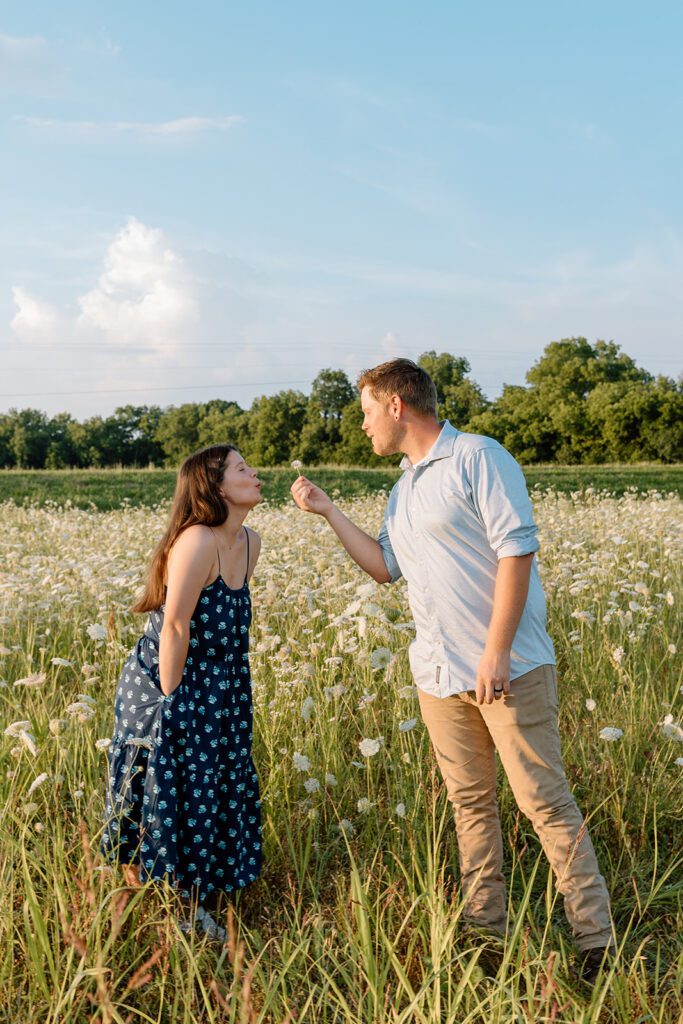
x,y
181,126
35,320
145,294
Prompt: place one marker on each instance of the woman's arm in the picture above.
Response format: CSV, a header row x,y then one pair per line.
x,y
189,564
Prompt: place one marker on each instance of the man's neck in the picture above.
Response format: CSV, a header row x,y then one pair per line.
x,y
419,439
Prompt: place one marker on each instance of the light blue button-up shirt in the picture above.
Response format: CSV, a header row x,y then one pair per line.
x,y
449,518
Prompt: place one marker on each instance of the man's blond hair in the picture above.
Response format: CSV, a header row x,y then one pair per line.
x,y
404,378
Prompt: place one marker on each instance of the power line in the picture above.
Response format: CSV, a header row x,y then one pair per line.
x,y
171,387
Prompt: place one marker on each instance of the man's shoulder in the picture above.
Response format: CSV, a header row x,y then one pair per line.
x,y
467,444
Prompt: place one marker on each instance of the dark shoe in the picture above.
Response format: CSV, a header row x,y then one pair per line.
x,y
593,961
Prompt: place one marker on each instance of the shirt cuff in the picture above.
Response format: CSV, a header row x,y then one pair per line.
x,y
391,564
516,546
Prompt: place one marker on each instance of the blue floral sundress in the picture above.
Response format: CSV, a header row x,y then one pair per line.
x,y
182,797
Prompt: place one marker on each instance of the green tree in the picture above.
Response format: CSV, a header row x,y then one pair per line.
x,y
178,432
30,438
275,425
331,392
224,423
459,398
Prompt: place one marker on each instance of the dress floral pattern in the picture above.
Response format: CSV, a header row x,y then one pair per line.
x,y
183,796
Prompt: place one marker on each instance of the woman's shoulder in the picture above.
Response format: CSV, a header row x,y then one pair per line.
x,y
194,539
254,537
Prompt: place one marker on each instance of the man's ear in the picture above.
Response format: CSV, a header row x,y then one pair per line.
x,y
395,407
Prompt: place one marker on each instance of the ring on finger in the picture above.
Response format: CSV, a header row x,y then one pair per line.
x,y
498,689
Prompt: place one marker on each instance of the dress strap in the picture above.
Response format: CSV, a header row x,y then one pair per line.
x,y
246,575
217,550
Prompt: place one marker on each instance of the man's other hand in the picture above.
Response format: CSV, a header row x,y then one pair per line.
x,y
493,676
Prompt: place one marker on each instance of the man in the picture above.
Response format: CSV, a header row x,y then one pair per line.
x,y
459,528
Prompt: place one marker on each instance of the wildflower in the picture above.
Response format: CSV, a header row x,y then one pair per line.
x,y
330,779
61,661
30,808
57,725
408,691
679,762
671,648
611,734
346,827
671,729
307,708
144,742
37,679
409,724
96,632
380,658
81,710
103,744
38,781
301,763
364,805
78,794
312,785
298,465
669,598
617,655
590,704
400,810
15,728
334,691
369,748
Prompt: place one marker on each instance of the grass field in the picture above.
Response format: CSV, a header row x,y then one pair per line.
x,y
357,916
107,489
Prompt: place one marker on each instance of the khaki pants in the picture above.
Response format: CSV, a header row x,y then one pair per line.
x,y
522,727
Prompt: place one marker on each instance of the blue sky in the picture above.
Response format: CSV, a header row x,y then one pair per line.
x,y
219,201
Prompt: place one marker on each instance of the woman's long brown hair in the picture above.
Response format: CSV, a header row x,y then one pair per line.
x,y
196,500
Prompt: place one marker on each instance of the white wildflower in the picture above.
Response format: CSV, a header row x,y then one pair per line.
x,y
307,708
57,725
15,728
409,724
96,632
590,704
301,763
37,679
669,598
62,661
38,781
330,779
346,827
679,762
672,730
369,748
611,733
671,648
617,655
364,805
334,691
103,744
145,742
380,658
312,785
407,691
400,810
297,464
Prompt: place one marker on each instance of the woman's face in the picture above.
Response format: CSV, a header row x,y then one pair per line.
x,y
240,485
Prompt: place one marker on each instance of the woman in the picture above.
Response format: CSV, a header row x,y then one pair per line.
x,y
183,797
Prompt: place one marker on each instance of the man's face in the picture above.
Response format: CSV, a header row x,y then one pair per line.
x,y
380,424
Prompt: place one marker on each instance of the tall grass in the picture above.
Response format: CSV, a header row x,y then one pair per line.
x,y
357,917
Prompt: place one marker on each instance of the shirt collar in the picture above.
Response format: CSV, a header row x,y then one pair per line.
x,y
441,449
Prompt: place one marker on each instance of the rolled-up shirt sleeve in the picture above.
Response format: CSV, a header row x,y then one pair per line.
x,y
502,502
388,553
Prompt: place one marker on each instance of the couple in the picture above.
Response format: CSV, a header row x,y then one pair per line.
x,y
183,795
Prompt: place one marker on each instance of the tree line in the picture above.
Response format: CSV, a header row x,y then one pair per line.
x,y
582,403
